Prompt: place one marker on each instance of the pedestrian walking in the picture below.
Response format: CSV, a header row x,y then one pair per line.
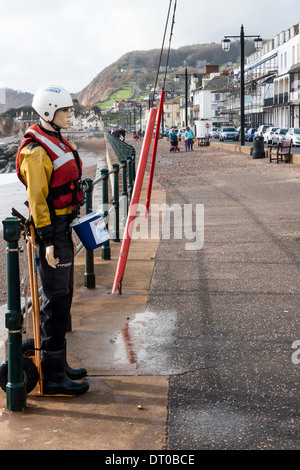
x,y
189,135
122,133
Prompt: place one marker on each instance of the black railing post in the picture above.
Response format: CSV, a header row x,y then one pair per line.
x,y
15,388
89,275
105,201
130,181
124,191
133,163
116,228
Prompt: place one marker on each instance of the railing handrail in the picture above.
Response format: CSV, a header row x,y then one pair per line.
x,y
127,165
121,148
113,170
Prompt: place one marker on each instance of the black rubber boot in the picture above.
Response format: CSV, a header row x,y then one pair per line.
x,y
74,373
56,381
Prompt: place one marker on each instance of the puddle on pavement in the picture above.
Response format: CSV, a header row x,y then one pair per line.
x,y
146,342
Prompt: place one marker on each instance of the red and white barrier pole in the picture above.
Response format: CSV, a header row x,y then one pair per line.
x,y
160,110
135,200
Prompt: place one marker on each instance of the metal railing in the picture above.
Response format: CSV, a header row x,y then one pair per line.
x,y
126,155
122,150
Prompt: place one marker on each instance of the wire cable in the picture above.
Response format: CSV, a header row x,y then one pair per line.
x,y
170,40
161,52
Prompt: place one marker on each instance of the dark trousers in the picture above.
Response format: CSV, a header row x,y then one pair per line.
x,y
57,286
191,143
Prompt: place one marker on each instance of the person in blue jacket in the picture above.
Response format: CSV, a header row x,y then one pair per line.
x,y
173,132
189,134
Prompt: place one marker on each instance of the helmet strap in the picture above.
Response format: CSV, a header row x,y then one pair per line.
x,y
55,126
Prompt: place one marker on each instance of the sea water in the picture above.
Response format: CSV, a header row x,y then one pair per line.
x,y
12,194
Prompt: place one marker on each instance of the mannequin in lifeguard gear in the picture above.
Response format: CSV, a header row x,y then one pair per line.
x,y
50,168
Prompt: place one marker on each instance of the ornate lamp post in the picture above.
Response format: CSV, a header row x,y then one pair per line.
x,y
226,46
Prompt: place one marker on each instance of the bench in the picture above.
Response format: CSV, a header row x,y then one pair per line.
x,y
203,141
280,151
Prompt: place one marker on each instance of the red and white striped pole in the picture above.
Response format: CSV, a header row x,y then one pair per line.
x,y
134,200
160,110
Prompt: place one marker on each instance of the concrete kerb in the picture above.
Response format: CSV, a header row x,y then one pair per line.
x,y
295,158
233,147
122,410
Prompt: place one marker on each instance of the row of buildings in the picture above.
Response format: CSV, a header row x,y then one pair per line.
x,y
88,120
133,114
272,89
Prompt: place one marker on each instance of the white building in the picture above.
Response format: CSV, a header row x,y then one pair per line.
x,y
272,81
172,112
88,120
272,87
208,98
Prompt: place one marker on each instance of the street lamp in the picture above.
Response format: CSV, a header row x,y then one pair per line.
x,y
186,74
226,46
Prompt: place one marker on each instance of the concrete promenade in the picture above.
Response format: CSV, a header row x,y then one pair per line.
x,y
199,350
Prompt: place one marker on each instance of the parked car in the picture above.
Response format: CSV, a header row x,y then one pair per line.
x,y
249,134
278,136
293,134
181,133
214,132
262,129
228,133
268,134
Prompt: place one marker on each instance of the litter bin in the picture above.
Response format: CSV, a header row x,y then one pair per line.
x,y
258,147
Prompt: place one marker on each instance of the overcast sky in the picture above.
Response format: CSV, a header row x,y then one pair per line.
x,y
68,42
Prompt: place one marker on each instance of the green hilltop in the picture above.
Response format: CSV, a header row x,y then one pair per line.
x,y
132,76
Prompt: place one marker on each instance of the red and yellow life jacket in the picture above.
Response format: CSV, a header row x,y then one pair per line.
x,y
64,190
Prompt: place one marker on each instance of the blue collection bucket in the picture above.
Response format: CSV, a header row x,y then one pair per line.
x,y
91,230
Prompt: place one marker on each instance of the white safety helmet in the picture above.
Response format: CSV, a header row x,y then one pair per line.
x,y
48,99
